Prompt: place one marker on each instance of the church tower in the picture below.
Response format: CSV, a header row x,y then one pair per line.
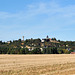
x,y
23,38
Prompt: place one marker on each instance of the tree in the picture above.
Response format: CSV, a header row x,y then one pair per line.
x,y
36,51
60,52
24,51
19,40
65,51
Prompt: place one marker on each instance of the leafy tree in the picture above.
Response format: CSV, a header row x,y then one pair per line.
x,y
24,51
65,51
36,51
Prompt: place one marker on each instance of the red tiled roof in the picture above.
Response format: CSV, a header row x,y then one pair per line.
x,y
72,53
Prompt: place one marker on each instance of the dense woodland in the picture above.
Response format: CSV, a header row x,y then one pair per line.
x,y
35,46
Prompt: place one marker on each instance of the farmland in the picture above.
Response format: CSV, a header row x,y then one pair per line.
x,y
50,64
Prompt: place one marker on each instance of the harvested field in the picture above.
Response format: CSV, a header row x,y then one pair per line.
x,y
57,64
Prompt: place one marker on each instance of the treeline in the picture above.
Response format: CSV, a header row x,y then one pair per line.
x,y
36,46
50,50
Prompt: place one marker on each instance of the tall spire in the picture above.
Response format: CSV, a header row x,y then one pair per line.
x,y
23,38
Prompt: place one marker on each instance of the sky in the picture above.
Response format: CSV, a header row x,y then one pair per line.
x,y
37,19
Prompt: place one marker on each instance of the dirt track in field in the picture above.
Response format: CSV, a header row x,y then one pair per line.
x,y
57,64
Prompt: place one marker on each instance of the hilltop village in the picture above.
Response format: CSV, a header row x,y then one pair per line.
x,y
37,46
32,44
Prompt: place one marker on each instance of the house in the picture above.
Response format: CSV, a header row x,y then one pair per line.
x,y
28,47
15,46
22,47
72,53
33,48
54,41
47,39
41,49
22,43
8,42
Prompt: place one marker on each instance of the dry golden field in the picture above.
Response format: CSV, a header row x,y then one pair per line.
x,y
56,64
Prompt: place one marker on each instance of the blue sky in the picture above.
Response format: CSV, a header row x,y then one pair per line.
x,y
37,19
